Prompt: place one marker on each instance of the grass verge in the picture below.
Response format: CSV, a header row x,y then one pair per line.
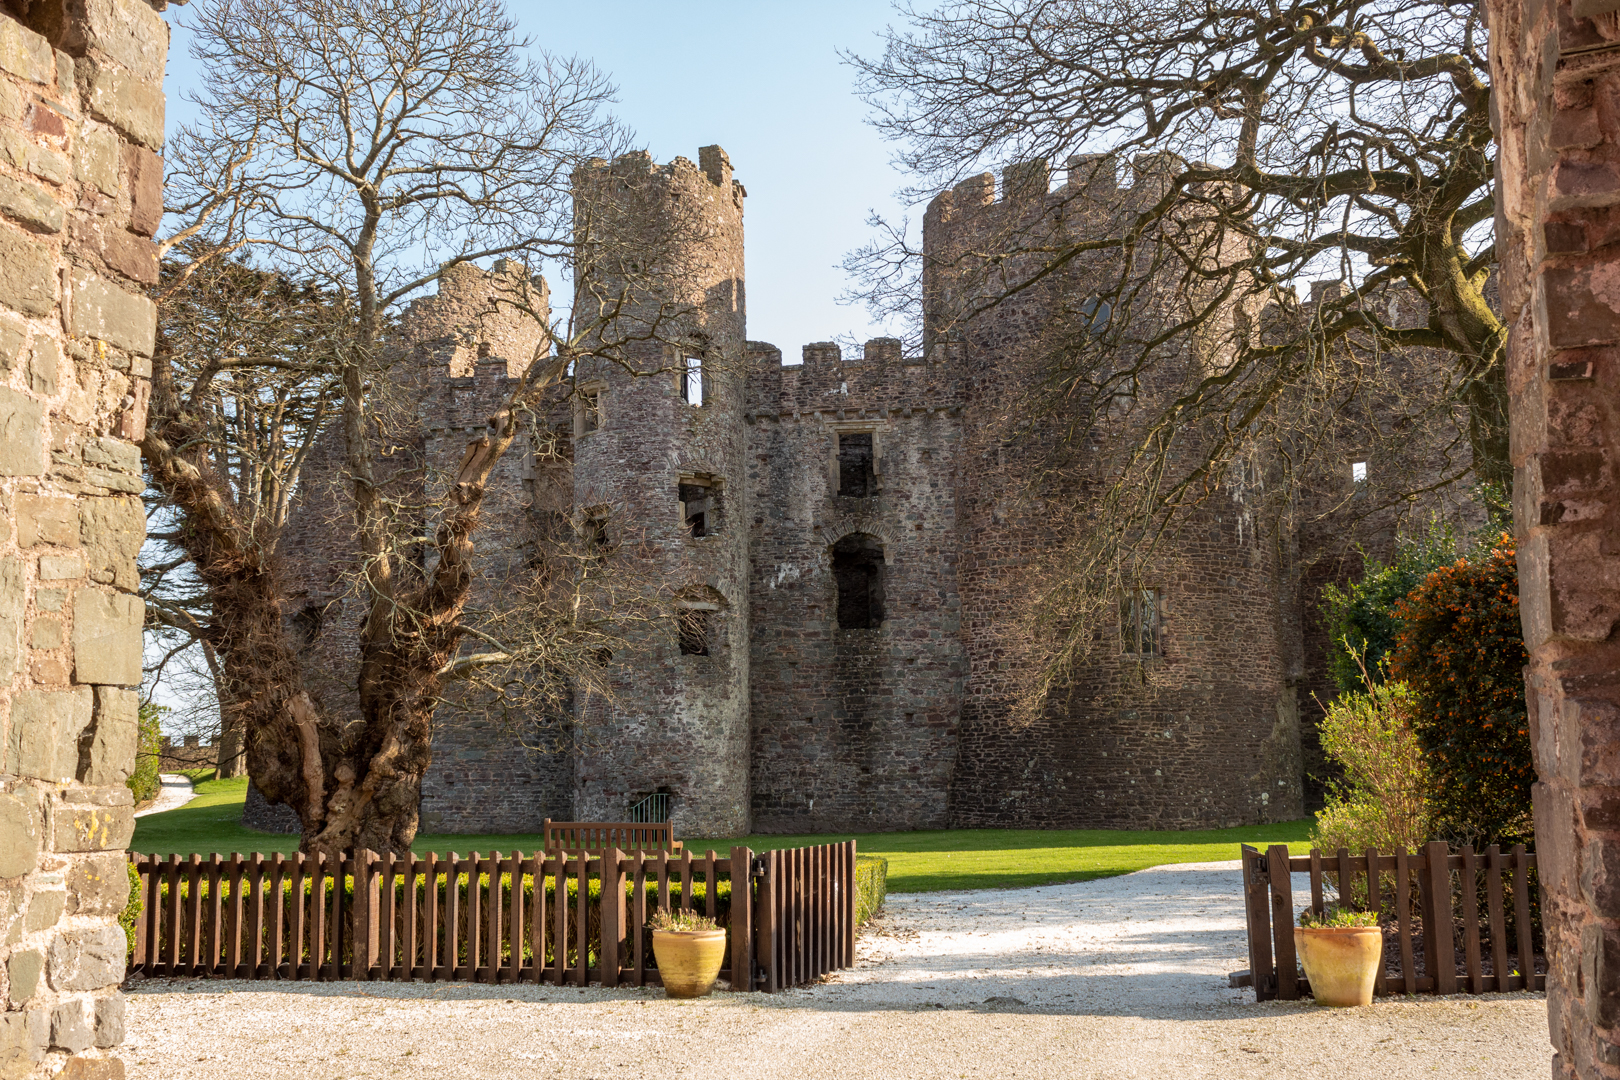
x,y
932,861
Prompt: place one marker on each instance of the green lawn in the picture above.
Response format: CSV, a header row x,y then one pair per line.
x,y
918,861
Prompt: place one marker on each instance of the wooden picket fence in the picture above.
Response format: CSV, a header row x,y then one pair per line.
x,y
555,918
1445,887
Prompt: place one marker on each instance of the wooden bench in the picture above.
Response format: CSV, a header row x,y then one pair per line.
x,y
631,836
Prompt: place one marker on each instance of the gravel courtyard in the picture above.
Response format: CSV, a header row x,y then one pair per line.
x,y
1123,977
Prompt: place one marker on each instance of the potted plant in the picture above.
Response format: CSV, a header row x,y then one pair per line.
x,y
1340,951
689,948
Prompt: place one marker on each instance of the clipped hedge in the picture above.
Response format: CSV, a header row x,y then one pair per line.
x,y
871,886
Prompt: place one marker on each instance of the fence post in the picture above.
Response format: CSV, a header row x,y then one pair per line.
x,y
765,920
742,923
1257,914
1282,921
612,916
1439,937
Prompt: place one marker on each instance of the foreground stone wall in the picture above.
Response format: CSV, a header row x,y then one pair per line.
x,y
81,124
1556,71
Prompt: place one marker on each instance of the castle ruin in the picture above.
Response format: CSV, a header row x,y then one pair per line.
x,y
844,541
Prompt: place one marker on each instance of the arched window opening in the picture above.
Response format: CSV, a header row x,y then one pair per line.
x,y
858,569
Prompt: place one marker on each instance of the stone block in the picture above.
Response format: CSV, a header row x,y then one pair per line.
x,y
116,734
129,32
109,1014
24,969
12,102
98,884
27,275
61,567
103,311
1600,972
42,519
47,164
47,633
112,530
133,256
91,828
70,1027
119,454
99,156
22,433
21,833
145,189
44,364
131,105
86,959
12,336
45,730
25,54
13,600
23,1036
92,1068
32,205
44,910
107,638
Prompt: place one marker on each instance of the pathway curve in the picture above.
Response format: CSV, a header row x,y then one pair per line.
x,y
175,793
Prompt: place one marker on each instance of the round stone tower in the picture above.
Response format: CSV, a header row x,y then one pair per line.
x,y
659,481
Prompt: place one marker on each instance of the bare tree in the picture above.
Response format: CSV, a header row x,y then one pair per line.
x,y
1218,158
361,149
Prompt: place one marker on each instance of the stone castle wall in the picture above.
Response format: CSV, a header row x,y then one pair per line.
x,y
853,728
81,193
1555,71
1205,733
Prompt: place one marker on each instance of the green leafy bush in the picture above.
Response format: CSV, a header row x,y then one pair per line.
x,y
1381,796
132,909
1361,616
143,782
1461,649
871,886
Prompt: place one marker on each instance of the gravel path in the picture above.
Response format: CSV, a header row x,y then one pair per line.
x,y
1124,977
175,793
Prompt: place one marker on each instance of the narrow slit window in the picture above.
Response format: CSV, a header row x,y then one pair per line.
x,y
1141,622
856,477
1358,472
692,380
695,626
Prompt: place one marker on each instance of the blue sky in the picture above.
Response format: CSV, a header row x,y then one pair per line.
x,y
762,79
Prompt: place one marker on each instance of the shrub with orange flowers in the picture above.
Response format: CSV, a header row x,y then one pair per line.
x,y
1460,648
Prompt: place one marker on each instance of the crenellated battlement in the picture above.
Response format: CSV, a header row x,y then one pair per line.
x,y
880,379
713,169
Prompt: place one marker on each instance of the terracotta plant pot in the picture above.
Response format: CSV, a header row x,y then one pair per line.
x,y
689,960
1340,961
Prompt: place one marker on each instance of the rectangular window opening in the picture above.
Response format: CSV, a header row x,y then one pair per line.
x,y
697,508
1358,472
692,380
694,625
1141,622
595,532
856,476
590,411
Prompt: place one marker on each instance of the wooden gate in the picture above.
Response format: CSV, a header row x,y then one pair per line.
x,y
1446,909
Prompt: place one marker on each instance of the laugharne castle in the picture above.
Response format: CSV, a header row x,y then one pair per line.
x,y
848,538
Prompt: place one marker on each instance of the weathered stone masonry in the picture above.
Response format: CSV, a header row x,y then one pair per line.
x,y
1556,74
81,124
794,721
